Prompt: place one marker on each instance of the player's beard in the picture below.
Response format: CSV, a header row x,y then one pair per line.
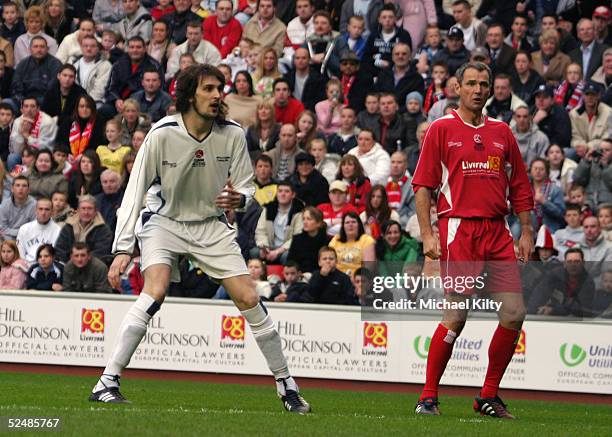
x,y
202,115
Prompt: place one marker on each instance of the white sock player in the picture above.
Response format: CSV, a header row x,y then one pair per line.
x,y
191,167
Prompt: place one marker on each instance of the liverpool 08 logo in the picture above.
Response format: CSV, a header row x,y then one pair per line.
x,y
92,324
232,328
521,344
375,335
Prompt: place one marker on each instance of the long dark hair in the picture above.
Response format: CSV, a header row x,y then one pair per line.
x,y
359,173
188,81
81,181
384,212
380,247
249,80
360,231
92,106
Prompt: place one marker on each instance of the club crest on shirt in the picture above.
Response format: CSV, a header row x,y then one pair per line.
x,y
198,159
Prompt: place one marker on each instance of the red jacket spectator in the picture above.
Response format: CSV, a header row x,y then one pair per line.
x,y
157,12
289,113
333,218
357,191
225,38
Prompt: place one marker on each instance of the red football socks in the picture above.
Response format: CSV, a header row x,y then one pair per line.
x,y
440,350
501,351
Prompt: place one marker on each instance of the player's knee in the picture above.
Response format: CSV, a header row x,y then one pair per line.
x,y
455,326
247,300
513,316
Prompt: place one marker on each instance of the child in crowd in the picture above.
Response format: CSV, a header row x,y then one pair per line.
x,y
434,87
28,155
577,196
185,60
604,216
328,284
12,26
61,152
60,210
354,38
346,137
252,58
110,46
227,73
326,163
138,138
237,59
426,53
257,270
572,234
414,107
292,287
14,269
46,273
112,154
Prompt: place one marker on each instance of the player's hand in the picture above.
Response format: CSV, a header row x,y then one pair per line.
x,y
280,298
57,287
431,246
525,246
229,198
117,268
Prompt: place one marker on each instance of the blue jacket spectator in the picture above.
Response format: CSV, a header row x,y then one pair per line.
x,y
46,273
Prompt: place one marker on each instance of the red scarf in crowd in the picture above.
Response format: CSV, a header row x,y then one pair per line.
x,y
576,97
35,129
431,97
172,89
79,140
347,83
394,192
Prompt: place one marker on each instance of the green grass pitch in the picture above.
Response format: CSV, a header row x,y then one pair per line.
x,y
177,408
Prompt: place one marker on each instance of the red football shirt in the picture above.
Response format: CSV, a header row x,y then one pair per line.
x,y
477,168
288,114
333,219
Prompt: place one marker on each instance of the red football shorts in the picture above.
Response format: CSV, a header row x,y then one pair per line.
x,y
480,249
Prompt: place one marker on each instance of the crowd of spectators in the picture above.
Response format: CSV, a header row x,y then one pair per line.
x,y
335,98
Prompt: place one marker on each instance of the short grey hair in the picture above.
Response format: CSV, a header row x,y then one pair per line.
x,y
479,66
109,172
87,198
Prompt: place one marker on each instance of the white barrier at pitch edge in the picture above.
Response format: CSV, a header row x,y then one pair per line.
x,y
319,341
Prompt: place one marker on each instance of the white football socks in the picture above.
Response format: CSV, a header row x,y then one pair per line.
x,y
268,340
133,328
